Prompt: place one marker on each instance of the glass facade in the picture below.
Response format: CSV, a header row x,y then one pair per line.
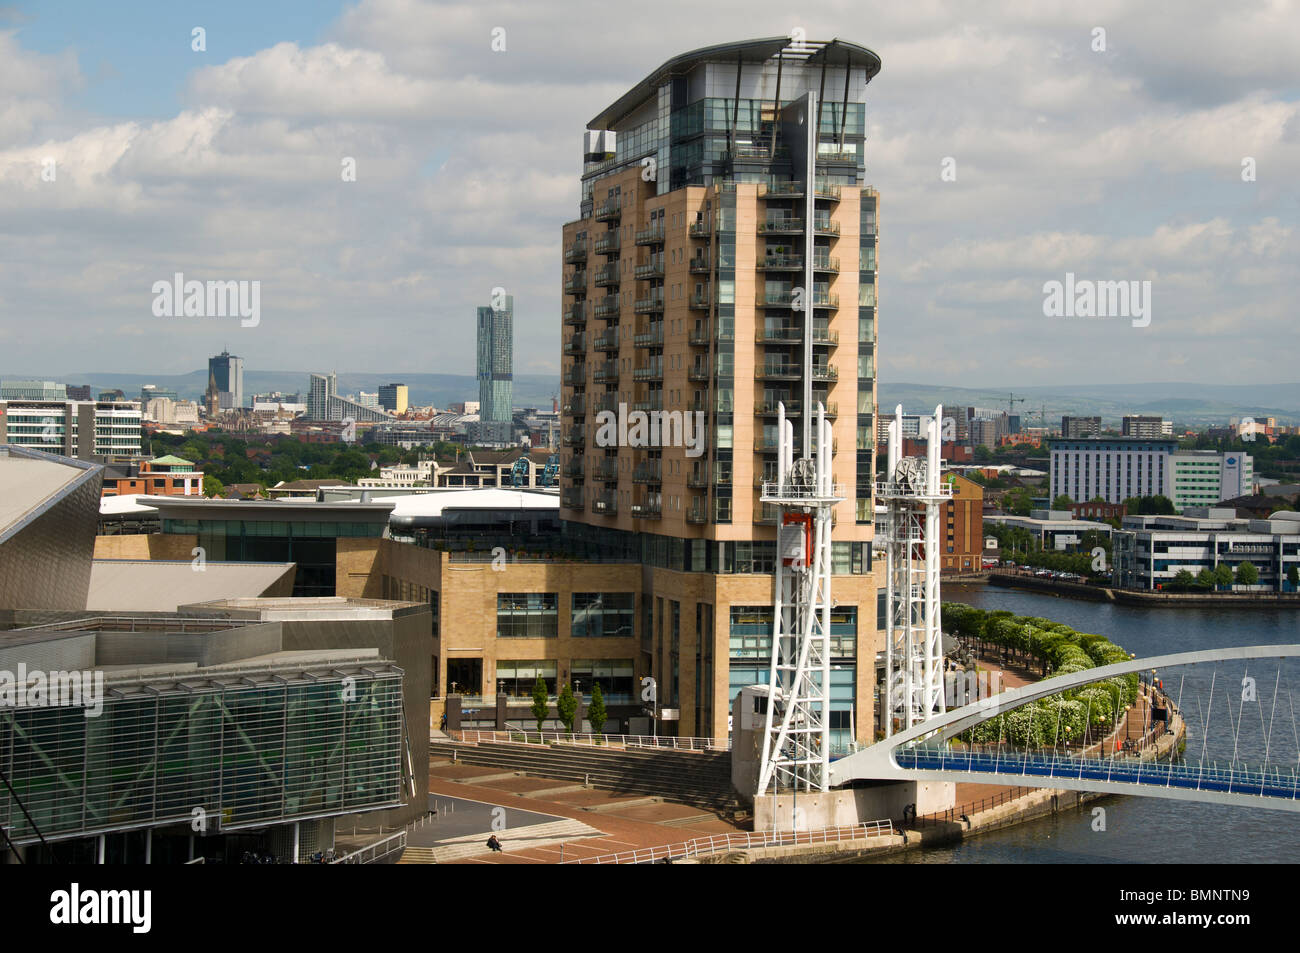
x,y
528,615
496,362
609,615
241,755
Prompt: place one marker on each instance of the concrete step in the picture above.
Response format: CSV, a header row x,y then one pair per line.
x,y
417,855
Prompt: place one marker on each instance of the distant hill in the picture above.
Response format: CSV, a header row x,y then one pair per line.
x,y
1192,405
531,390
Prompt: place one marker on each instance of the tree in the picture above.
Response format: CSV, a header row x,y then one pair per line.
x,y
1205,579
212,486
596,713
1293,577
1223,575
1183,580
1247,574
1062,502
540,708
567,706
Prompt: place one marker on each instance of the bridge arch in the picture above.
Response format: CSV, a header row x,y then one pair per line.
x,y
878,761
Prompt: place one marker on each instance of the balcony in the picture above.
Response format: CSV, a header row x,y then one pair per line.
x,y
574,470
609,210
606,340
653,337
653,269
575,313
822,225
605,503
647,511
700,302
651,471
826,336
653,371
654,403
698,512
577,344
780,263
575,437
576,283
576,376
606,372
577,406
700,337
778,335
576,252
607,306
650,236
606,242
786,190
571,498
781,226
607,275
698,373
826,263
768,408
825,372
606,402
700,407
700,265
647,305
823,190
699,230
606,471
698,479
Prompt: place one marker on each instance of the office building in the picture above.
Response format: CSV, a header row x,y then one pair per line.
x,y
324,403
1113,468
496,362
1075,427
394,398
963,526
1149,551
87,430
1206,477
1145,428
706,294
32,390
226,380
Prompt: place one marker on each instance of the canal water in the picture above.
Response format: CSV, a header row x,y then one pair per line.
x,y
1155,830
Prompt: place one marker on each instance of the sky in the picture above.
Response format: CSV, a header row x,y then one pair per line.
x,y
1011,144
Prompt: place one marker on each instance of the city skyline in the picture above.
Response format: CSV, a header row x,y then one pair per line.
x,y
1080,165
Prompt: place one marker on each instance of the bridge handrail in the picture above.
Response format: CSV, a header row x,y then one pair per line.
x,y
590,739
372,852
743,840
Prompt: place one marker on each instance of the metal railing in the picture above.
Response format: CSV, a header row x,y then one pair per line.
x,y
380,848
587,739
974,807
744,840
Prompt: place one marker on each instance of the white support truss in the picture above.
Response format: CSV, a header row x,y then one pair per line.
x,y
796,738
912,495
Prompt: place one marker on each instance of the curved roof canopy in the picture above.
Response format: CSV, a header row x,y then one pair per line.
x,y
834,53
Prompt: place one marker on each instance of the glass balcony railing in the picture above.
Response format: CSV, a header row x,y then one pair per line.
x,y
781,226
576,252
650,236
606,242
609,209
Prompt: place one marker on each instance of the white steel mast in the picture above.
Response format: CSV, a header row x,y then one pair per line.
x,y
912,495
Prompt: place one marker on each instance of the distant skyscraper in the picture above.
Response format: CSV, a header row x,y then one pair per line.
x,y
394,398
227,372
496,362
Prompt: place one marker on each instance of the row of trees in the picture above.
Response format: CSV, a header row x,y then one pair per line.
x,y
1069,716
1222,576
1022,545
566,704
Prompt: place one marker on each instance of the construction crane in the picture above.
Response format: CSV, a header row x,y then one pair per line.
x,y
1012,400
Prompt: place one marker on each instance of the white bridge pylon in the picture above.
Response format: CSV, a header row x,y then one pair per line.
x,y
796,735
912,495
